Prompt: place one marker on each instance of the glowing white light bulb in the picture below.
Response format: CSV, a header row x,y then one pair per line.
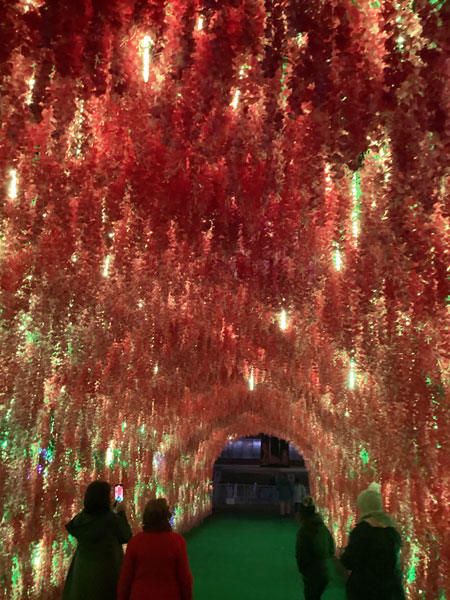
x,y
29,97
200,24
155,369
109,455
282,319
235,101
351,375
12,190
251,381
106,266
146,45
337,259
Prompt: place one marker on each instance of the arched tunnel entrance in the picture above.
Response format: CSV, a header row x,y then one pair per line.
x,y
247,474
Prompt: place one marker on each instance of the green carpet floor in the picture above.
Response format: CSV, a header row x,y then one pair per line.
x,y
244,557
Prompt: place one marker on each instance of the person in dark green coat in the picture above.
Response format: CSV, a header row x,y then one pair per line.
x,y
372,554
100,533
314,551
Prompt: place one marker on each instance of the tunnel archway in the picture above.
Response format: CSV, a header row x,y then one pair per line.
x,y
247,472
218,219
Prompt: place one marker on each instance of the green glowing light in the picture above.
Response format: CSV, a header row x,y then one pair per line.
x,y
15,574
411,574
364,455
349,525
439,3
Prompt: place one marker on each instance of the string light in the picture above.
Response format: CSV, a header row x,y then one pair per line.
x,y
235,101
12,190
351,375
110,455
29,96
77,130
146,45
200,24
282,320
356,193
251,381
237,93
337,259
106,266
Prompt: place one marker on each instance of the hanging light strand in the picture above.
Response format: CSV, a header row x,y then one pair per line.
x,y
146,46
13,184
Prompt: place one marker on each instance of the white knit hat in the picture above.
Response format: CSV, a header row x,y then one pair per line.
x,y
370,500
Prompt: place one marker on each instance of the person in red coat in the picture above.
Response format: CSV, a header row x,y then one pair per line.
x,y
156,563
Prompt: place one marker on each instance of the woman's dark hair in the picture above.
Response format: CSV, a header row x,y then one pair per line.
x,y
97,497
157,516
307,508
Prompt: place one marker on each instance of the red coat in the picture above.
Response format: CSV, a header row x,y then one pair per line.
x,y
155,566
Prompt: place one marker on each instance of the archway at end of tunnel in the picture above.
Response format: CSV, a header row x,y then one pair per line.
x,y
246,547
259,474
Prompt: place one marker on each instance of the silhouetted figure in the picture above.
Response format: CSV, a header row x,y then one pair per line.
x,y
299,494
314,551
100,533
372,554
285,494
156,563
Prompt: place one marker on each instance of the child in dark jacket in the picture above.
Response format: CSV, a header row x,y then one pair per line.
x,y
314,551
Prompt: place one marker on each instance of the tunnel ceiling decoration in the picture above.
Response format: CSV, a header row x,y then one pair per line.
x,y
220,218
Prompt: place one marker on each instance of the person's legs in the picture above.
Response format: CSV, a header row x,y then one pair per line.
x,y
312,589
282,507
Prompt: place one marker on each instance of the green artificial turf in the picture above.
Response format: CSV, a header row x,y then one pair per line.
x,y
244,557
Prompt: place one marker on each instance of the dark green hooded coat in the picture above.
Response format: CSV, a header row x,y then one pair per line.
x,y
314,554
95,567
